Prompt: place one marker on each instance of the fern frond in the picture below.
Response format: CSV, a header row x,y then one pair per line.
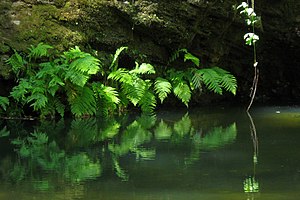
x,y
134,91
191,57
121,75
77,78
39,101
17,63
197,79
82,101
148,100
20,91
183,92
39,51
59,107
87,64
74,53
114,64
162,87
176,54
4,102
144,68
228,81
107,97
211,79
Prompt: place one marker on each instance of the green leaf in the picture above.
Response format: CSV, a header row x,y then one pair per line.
x,y
16,62
162,87
39,51
20,91
4,132
39,101
114,64
183,92
4,102
211,79
228,81
82,101
144,68
77,78
191,57
197,79
87,64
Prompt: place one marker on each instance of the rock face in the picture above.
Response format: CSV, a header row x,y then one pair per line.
x,y
211,29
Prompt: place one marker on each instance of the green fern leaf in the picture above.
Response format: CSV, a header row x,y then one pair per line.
x,y
16,62
77,78
4,102
183,92
191,57
87,64
20,91
197,79
114,64
39,51
39,101
148,100
144,68
59,107
109,93
162,87
121,75
82,101
176,54
228,81
211,79
134,91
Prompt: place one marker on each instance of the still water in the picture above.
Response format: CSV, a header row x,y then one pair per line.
x,y
204,154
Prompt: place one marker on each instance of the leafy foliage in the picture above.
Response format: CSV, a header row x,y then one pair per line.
x,y
162,87
39,51
4,102
57,84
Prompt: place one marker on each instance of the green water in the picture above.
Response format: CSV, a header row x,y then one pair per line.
x,y
205,153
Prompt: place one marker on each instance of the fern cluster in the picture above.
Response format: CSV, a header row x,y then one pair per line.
x,y
214,79
55,84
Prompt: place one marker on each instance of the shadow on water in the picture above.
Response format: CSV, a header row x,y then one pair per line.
x,y
195,155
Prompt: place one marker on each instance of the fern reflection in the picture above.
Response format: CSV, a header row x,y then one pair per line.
x,y
92,146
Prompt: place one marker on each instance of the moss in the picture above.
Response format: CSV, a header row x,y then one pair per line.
x,y
41,24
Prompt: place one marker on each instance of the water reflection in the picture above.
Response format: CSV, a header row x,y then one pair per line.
x,y
251,184
52,153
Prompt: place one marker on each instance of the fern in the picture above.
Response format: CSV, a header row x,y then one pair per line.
x,y
17,63
86,64
77,78
211,79
176,54
215,79
147,101
183,92
144,68
197,79
228,81
114,63
82,101
4,102
107,97
20,91
181,88
39,51
162,87
191,57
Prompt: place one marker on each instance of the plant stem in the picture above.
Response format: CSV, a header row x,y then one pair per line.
x,y
256,70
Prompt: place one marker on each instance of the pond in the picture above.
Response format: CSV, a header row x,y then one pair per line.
x,y
204,153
